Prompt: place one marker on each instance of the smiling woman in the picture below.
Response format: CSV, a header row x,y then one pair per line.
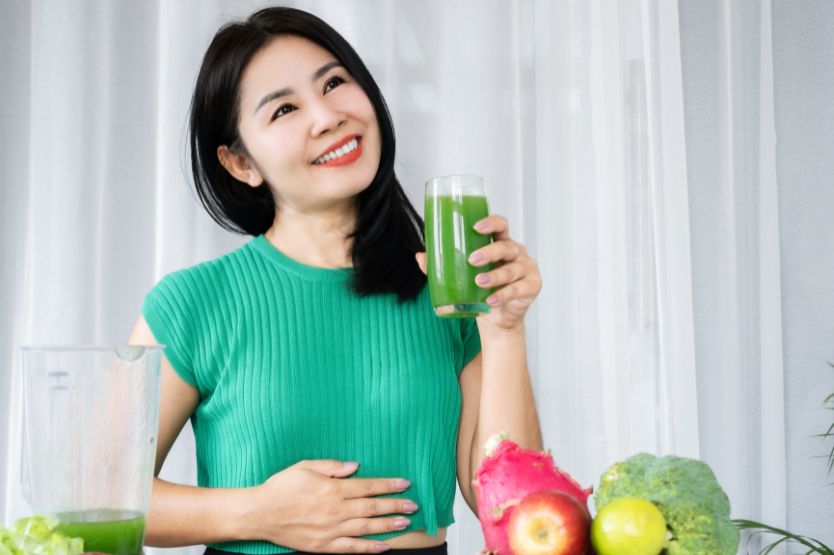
x,y
688,305
315,343
272,96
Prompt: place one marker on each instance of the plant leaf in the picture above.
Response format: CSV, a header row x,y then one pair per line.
x,y
813,545
829,401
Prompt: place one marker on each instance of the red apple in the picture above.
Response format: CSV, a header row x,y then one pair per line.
x,y
549,523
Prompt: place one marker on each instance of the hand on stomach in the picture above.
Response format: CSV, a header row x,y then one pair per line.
x,y
316,506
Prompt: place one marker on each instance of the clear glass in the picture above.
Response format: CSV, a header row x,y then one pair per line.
x,y
454,204
90,431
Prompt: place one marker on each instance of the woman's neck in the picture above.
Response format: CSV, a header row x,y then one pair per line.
x,y
317,239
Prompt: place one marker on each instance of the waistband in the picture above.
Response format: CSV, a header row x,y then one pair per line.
x,y
437,550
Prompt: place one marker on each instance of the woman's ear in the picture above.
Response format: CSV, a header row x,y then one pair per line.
x,y
239,166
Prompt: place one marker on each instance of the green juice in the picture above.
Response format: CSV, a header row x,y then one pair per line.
x,y
450,239
105,530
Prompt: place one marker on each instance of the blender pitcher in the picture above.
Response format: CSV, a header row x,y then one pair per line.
x,y
91,417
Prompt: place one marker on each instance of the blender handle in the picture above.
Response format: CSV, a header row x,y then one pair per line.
x,y
25,474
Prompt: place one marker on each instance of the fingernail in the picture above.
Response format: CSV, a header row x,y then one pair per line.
x,y
476,257
410,507
350,465
482,225
492,300
482,279
401,523
380,547
402,484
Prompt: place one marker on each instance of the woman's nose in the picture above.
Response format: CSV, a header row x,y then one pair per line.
x,y
326,118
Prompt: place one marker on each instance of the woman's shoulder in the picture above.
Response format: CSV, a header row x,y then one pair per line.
x,y
213,274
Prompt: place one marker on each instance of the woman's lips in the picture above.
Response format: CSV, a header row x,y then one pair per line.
x,y
345,159
340,143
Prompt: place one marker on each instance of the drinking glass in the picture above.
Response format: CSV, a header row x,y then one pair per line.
x,y
454,204
90,431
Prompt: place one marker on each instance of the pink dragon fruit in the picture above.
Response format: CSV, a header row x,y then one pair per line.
x,y
505,477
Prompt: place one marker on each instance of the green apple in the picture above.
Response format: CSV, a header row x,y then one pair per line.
x,y
628,526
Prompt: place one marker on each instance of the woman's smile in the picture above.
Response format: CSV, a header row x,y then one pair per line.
x,y
345,151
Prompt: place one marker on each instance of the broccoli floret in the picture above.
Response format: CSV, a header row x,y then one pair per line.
x,y
696,509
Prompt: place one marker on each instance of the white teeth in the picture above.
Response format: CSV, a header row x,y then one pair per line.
x,y
336,153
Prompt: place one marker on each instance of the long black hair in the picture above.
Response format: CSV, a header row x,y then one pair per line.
x,y
388,229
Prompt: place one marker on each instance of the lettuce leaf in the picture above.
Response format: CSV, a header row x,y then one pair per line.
x,y
36,535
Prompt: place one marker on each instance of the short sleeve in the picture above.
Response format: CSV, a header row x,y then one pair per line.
x,y
168,310
471,340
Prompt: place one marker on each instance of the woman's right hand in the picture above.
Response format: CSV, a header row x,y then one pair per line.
x,y
314,506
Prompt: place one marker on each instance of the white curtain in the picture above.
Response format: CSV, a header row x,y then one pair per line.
x,y
758,87
686,252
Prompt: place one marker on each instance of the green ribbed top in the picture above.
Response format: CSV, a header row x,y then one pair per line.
x,y
292,365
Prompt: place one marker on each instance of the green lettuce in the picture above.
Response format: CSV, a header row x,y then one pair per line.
x,y
36,535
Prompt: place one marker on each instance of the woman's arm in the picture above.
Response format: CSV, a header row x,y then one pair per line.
x,y
181,515
496,392
497,396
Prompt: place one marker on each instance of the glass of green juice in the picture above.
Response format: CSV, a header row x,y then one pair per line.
x,y
454,204
90,427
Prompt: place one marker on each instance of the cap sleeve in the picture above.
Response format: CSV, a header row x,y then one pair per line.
x,y
168,310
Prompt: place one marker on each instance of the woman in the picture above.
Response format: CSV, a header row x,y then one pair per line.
x,y
331,408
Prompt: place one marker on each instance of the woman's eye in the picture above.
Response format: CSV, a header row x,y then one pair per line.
x,y
332,83
282,110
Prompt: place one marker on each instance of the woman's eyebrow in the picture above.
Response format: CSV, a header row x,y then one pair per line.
x,y
319,73
287,91
272,96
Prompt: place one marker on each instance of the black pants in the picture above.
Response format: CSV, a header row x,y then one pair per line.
x,y
438,550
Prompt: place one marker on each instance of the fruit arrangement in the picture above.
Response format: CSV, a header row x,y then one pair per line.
x,y
645,505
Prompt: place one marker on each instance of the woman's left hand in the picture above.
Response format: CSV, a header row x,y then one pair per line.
x,y
515,276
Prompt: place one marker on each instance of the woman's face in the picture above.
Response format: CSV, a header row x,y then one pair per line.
x,y
309,128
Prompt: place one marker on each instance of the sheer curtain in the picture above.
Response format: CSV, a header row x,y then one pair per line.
x,y
759,127
631,143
